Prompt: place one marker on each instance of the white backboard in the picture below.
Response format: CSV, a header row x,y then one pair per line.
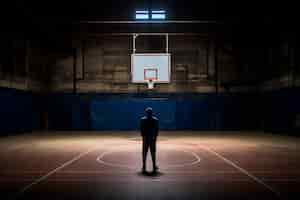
x,y
155,66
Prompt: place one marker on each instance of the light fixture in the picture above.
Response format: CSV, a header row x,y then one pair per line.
x,y
158,14
146,15
142,14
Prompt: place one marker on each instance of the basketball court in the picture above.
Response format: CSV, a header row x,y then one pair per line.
x,y
106,165
77,78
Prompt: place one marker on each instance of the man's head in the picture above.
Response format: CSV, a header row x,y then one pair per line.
x,y
149,111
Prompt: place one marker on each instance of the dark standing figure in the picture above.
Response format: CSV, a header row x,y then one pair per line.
x,y
149,132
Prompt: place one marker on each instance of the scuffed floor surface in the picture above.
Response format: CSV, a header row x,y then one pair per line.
x,y
106,165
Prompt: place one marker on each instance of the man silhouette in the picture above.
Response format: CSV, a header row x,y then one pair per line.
x,y
149,132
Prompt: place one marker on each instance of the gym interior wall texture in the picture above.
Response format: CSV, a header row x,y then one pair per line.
x,y
272,111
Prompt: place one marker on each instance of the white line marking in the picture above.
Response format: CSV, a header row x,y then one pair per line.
x,y
241,170
44,177
101,161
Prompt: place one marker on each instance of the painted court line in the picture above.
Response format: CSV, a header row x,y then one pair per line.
x,y
259,181
44,177
102,161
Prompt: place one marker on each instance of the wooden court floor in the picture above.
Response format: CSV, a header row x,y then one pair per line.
x,y
106,165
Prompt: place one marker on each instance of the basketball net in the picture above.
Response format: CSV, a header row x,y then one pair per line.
x,y
150,83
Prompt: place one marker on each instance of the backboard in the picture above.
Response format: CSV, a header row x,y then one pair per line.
x,y
150,66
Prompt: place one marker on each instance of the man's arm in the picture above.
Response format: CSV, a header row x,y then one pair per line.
x,y
142,127
156,127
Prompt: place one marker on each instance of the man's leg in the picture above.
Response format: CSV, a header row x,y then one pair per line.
x,y
145,151
153,154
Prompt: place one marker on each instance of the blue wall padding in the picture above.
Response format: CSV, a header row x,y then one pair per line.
x,y
281,108
17,111
175,111
124,114
274,111
68,112
238,111
195,113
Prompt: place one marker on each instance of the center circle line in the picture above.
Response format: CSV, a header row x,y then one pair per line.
x,y
100,160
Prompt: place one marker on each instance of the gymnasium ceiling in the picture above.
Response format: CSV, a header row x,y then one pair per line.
x,y
58,16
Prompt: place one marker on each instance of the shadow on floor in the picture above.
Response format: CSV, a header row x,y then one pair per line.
x,y
150,174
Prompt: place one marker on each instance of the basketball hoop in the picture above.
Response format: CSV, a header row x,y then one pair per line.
x,y
150,83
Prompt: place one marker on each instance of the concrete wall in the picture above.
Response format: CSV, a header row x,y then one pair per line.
x,y
106,62
24,64
283,65
102,64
